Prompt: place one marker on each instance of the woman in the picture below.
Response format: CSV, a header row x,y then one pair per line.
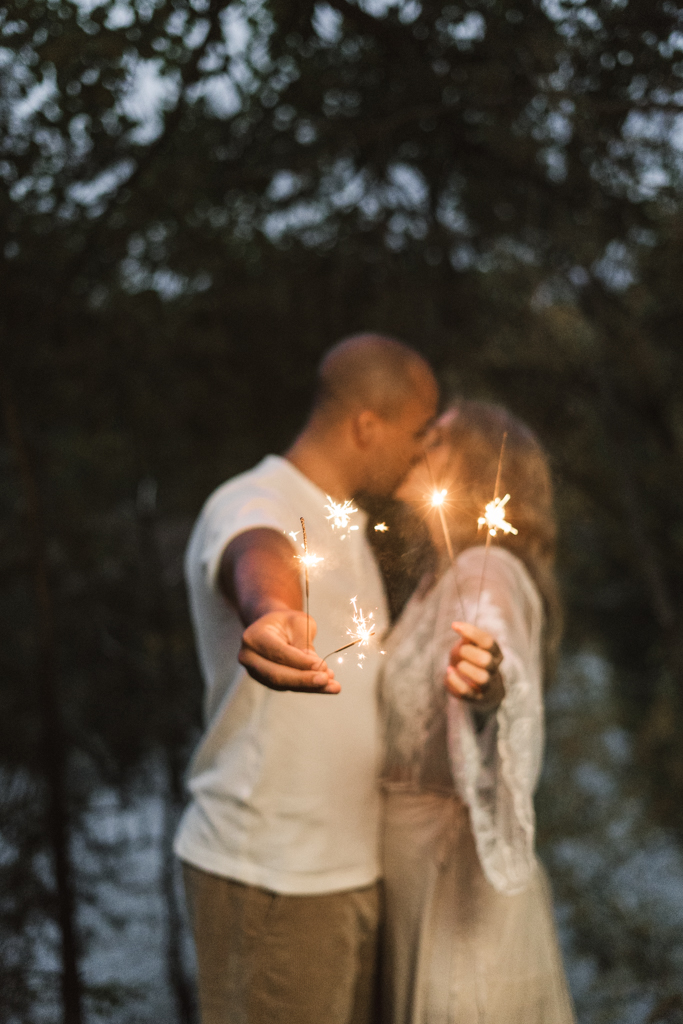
x,y
470,933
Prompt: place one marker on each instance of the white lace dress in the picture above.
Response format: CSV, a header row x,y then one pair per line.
x,y
470,932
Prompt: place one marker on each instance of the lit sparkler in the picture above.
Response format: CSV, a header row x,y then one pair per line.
x,y
381,527
364,628
494,517
437,500
361,634
340,513
494,520
308,561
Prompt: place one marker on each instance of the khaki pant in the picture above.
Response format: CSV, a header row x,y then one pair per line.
x,y
264,958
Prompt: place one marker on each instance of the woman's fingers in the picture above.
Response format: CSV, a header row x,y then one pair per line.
x,y
473,673
474,670
479,638
463,688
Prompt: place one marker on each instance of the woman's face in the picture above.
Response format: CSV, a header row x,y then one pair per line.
x,y
428,476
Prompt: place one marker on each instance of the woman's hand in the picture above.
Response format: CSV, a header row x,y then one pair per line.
x,y
473,673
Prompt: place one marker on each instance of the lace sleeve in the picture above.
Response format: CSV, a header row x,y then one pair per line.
x,y
496,768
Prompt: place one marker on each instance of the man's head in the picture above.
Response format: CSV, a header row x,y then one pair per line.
x,y
375,403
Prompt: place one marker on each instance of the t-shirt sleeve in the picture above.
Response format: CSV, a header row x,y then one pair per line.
x,y
239,508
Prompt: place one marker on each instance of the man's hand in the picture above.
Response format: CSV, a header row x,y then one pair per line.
x,y
260,576
274,653
473,673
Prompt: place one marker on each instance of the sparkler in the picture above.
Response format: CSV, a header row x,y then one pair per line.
x,y
437,500
361,635
494,520
307,561
494,517
340,514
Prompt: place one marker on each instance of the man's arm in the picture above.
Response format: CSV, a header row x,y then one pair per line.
x,y
259,576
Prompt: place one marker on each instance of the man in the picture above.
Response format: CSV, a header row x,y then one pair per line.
x,y
280,841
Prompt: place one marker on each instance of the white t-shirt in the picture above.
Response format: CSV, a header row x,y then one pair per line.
x,y
284,785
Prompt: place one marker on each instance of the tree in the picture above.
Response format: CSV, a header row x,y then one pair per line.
x,y
197,198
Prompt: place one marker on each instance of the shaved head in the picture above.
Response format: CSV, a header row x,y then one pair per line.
x,y
370,371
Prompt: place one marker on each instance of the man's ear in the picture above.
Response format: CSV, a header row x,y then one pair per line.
x,y
365,427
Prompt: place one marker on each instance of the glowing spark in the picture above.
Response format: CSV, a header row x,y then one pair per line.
x,y
437,500
381,527
340,513
494,520
364,628
494,517
293,534
309,561
360,636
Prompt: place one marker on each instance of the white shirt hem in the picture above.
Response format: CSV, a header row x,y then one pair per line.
x,y
282,882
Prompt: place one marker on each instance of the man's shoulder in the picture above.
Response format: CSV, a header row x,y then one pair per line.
x,y
253,499
269,476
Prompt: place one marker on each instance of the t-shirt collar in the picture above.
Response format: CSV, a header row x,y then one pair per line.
x,y
319,495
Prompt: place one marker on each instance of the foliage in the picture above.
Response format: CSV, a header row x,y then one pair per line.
x,y
198,198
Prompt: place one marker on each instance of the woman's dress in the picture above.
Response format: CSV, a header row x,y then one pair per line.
x,y
470,931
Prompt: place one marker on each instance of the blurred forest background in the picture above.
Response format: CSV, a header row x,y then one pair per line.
x,y
196,199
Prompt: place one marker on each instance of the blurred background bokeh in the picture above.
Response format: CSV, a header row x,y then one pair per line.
x,y
196,199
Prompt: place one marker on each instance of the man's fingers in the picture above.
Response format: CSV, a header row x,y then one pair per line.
x,y
272,645
282,677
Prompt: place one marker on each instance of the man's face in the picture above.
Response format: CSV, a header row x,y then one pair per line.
x,y
399,443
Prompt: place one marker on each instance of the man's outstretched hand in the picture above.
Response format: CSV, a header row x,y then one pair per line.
x,y
274,653
473,673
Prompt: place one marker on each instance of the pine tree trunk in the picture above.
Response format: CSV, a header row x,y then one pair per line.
x,y
53,746
169,686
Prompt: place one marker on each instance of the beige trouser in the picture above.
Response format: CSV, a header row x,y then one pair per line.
x,y
264,958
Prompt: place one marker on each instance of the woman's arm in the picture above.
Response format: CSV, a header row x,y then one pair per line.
x,y
473,672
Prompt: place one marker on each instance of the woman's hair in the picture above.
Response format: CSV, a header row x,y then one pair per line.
x,y
475,433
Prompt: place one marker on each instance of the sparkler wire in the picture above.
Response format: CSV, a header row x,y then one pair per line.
x,y
363,633
488,532
339,650
308,617
446,533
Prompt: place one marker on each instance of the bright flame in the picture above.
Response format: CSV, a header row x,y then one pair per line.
x,y
437,498
494,517
309,560
364,629
381,527
340,513
360,636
